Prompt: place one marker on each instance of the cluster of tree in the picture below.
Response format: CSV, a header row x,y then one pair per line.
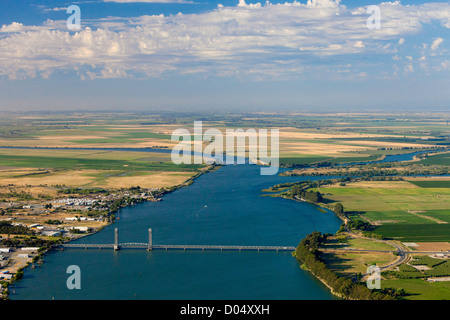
x,y
20,196
19,274
393,292
294,165
284,185
82,190
75,231
7,228
308,254
373,235
310,196
28,242
314,240
359,225
381,178
53,222
123,202
338,209
403,275
344,180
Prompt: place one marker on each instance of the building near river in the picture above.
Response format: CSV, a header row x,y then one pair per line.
x,y
51,232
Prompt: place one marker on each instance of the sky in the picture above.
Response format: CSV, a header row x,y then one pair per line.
x,y
214,55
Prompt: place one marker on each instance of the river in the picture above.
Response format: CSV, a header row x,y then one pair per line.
x,y
223,207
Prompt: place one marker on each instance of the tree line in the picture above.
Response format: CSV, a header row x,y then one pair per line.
x,y
307,252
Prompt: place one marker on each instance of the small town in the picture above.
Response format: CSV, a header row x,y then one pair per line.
x,y
28,228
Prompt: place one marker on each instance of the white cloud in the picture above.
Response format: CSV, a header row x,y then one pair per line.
x,y
13,27
409,68
436,43
273,40
55,9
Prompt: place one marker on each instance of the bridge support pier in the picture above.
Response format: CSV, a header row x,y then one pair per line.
x,y
150,240
116,239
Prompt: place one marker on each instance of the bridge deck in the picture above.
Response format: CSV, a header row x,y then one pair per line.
x,y
178,247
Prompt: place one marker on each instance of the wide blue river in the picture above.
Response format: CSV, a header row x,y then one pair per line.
x,y
224,207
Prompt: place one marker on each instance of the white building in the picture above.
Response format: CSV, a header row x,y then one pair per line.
x,y
51,233
6,276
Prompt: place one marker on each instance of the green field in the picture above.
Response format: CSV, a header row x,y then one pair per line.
x,y
67,163
415,232
394,197
443,215
397,217
420,289
438,159
432,184
397,209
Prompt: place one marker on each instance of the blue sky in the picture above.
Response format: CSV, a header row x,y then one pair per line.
x,y
311,55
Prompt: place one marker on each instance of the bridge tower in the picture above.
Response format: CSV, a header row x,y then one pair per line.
x,y
116,239
150,240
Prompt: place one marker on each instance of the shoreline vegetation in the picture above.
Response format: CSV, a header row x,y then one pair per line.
x,y
372,168
308,253
49,245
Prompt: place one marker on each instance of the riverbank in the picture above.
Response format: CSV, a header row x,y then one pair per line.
x,y
386,165
307,252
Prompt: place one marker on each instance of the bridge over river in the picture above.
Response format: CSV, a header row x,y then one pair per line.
x,y
150,246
